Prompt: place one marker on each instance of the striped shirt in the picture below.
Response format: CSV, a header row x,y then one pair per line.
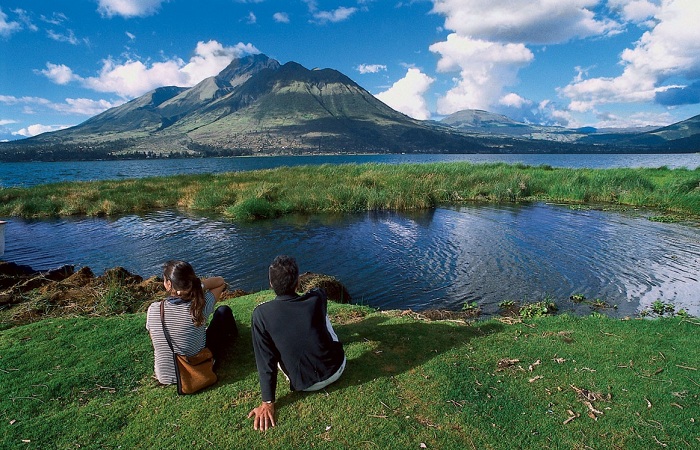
x,y
186,338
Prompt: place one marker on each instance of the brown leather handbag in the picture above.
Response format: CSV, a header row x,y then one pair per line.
x,y
193,373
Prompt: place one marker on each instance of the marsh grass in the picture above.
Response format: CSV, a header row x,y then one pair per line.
x,y
361,187
86,382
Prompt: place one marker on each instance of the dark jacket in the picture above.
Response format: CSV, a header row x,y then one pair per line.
x,y
292,330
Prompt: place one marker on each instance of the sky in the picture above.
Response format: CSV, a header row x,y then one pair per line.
x,y
572,63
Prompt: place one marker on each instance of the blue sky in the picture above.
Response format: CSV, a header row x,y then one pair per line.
x,y
607,63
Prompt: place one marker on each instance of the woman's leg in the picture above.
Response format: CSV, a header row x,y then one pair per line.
x,y
221,332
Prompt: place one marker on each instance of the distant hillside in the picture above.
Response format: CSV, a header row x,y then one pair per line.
x,y
257,106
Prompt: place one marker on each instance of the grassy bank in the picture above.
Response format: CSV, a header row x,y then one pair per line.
x,y
341,188
556,382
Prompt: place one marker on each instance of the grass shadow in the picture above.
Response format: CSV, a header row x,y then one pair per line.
x,y
377,347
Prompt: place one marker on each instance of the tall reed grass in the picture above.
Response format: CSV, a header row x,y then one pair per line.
x,y
361,187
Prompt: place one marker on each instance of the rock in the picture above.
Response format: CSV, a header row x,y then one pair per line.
x,y
334,289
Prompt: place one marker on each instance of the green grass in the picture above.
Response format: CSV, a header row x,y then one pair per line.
x,y
86,383
348,188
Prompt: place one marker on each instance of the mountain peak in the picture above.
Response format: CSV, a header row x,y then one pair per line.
x,y
240,69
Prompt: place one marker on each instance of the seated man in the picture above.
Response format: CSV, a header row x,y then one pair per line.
x,y
292,332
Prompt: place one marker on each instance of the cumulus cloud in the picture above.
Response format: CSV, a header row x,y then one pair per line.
x,y
281,17
133,77
484,69
669,51
488,45
59,73
36,129
407,94
8,27
370,68
513,100
128,8
526,21
635,10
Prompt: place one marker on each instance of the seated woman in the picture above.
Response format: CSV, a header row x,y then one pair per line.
x,y
190,302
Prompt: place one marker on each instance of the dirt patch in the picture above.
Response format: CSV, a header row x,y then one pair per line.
x,y
27,295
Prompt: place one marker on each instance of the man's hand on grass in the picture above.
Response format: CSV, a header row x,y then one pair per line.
x,y
264,416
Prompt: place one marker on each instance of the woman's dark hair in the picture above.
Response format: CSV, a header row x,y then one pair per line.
x,y
189,287
284,275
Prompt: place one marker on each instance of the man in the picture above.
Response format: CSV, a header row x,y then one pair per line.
x,y
292,333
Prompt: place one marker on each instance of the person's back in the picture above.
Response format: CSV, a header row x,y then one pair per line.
x,y
296,332
292,333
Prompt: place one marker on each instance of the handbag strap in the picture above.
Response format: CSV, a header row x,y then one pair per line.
x,y
165,329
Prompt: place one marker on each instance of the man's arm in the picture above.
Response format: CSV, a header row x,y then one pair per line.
x,y
266,361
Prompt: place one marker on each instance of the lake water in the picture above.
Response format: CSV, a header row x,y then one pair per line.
x,y
439,258
31,173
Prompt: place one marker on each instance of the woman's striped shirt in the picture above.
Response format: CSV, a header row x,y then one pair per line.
x,y
186,338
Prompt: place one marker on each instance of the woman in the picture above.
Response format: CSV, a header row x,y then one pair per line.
x,y
190,302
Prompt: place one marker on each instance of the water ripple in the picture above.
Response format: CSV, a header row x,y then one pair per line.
x,y
439,258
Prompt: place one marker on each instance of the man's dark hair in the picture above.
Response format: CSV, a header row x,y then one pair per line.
x,y
284,274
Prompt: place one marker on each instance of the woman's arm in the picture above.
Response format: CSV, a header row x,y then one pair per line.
x,y
216,285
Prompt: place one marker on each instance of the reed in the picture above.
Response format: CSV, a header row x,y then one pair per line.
x,y
361,187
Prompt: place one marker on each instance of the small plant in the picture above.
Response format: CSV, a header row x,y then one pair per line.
x,y
506,304
537,309
658,307
683,314
578,298
470,307
599,303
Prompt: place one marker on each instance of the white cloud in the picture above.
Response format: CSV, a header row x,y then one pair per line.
x,y
128,8
133,77
635,10
513,100
33,130
131,36
59,73
84,106
337,15
371,68
68,36
4,122
12,100
281,17
489,43
251,19
7,28
670,49
407,94
526,21
73,106
484,69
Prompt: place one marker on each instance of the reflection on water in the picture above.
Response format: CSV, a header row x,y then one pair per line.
x,y
439,258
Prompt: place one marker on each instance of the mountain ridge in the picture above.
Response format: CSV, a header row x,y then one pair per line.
x,y
257,106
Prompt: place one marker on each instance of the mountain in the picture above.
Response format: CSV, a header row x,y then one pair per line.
x,y
681,137
257,106
254,106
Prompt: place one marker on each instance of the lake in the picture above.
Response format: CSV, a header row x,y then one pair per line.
x,y
437,258
32,173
